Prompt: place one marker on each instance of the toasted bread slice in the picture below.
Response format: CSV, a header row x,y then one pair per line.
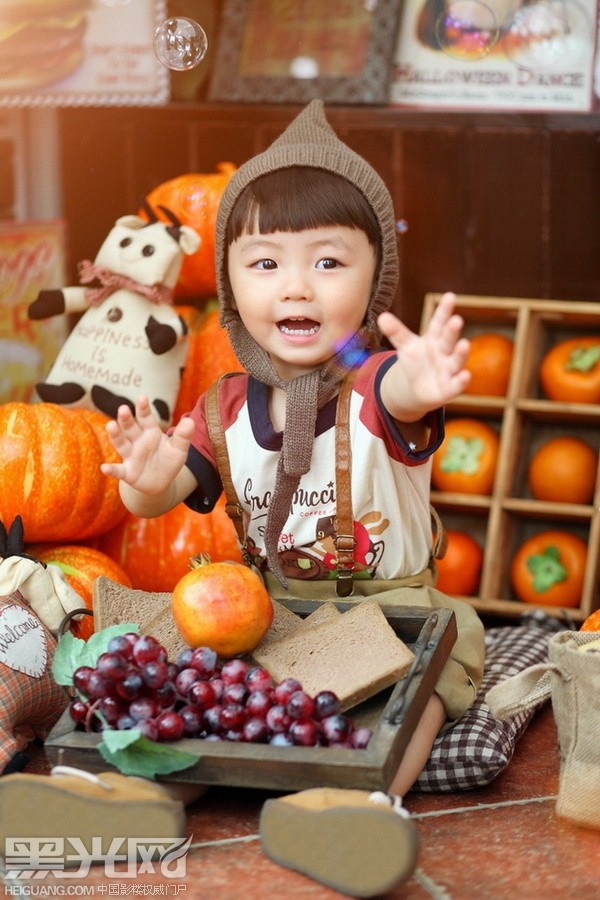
x,y
356,654
114,604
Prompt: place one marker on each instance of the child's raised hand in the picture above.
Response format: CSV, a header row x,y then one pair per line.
x,y
150,459
430,369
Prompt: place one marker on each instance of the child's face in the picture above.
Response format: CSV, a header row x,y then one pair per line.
x,y
302,294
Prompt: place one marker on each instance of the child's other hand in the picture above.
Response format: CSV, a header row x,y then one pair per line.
x,y
150,459
430,369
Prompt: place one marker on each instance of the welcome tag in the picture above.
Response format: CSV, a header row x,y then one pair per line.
x,y
23,644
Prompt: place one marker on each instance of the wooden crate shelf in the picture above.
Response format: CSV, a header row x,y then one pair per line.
x,y
524,418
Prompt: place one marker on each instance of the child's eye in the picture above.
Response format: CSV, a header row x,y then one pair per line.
x,y
328,263
265,264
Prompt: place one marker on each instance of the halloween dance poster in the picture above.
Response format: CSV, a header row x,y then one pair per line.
x,y
499,54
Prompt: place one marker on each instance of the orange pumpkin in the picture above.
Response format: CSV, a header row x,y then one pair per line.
x,y
592,622
81,565
194,198
50,472
156,553
209,355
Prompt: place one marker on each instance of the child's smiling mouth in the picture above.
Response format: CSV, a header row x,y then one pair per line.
x,y
298,327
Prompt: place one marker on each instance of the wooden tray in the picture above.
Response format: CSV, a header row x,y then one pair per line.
x,y
392,714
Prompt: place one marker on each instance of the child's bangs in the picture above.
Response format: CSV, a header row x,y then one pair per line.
x,y
297,198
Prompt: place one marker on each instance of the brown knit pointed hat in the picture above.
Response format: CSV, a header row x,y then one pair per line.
x,y
309,141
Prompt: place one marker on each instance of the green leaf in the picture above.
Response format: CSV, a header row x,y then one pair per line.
x,y
72,652
133,754
547,569
463,455
583,359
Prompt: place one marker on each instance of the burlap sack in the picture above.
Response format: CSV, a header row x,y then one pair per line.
x,y
572,681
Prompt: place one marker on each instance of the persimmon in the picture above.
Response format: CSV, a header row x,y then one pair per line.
x,y
222,605
563,470
466,460
570,371
459,570
489,362
548,569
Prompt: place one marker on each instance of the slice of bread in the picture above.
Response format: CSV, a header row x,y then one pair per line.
x,y
162,626
286,622
356,654
326,612
114,604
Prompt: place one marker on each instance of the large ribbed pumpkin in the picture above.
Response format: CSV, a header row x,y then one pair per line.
x,y
209,355
156,553
194,198
50,472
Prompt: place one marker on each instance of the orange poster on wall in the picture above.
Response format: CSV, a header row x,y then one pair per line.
x,y
31,259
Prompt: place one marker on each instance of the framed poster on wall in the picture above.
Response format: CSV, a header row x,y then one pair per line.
x,y
291,51
31,259
519,55
81,53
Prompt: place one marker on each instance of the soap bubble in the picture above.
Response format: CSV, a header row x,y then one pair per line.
x,y
351,351
180,43
304,67
401,226
467,30
551,34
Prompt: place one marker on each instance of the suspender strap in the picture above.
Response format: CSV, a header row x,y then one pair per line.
x,y
344,520
217,436
440,544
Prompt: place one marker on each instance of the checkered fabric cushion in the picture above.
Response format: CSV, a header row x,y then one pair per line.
x,y
475,750
29,706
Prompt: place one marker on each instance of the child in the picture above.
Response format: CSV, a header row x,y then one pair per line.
x,y
307,268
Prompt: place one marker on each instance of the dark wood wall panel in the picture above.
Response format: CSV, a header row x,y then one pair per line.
x,y
435,206
574,203
500,205
507,219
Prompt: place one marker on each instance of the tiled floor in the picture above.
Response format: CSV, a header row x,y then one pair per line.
x,y
503,842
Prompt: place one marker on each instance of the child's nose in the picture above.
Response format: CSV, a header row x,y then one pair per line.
x,y
297,286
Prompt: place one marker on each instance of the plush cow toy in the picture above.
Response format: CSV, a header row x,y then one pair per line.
x,y
130,340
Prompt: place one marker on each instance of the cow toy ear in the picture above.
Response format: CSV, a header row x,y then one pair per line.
x,y
189,239
16,538
131,221
12,542
3,541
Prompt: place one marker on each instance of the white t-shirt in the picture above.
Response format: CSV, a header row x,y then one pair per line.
x,y
390,480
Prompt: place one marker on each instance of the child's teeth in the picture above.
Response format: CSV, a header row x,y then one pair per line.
x,y
287,330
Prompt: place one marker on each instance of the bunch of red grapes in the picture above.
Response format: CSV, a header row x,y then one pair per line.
x,y
133,685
